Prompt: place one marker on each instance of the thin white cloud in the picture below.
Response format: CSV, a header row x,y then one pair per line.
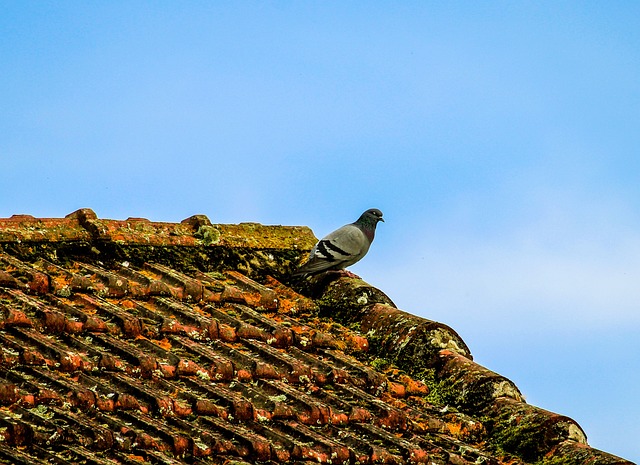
x,y
571,262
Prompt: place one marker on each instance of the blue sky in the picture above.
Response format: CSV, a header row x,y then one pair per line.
x,y
500,139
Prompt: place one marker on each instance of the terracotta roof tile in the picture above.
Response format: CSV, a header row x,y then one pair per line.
x,y
135,342
26,228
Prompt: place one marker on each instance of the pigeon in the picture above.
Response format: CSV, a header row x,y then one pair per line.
x,y
343,247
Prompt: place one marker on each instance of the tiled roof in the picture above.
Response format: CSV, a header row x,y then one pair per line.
x,y
132,342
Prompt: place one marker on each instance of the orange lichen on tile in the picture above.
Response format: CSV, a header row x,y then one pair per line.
x,y
289,300
413,387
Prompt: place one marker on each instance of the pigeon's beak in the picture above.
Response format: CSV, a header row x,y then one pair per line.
x,y
381,219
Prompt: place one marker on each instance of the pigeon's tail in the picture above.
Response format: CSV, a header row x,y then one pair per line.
x,y
300,273
308,269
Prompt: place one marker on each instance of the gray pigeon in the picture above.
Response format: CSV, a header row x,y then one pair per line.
x,y
344,246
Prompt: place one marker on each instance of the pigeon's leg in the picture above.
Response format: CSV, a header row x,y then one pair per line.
x,y
344,274
349,274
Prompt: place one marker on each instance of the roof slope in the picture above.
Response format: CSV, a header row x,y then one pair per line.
x,y
129,342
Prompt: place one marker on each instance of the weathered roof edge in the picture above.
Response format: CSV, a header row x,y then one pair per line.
x,y
195,243
197,230
435,354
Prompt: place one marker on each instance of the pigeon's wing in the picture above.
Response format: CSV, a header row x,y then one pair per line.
x,y
339,249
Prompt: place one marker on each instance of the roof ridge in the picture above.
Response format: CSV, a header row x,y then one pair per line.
x,y
195,243
196,230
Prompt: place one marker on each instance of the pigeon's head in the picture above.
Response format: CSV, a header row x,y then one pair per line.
x,y
371,216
